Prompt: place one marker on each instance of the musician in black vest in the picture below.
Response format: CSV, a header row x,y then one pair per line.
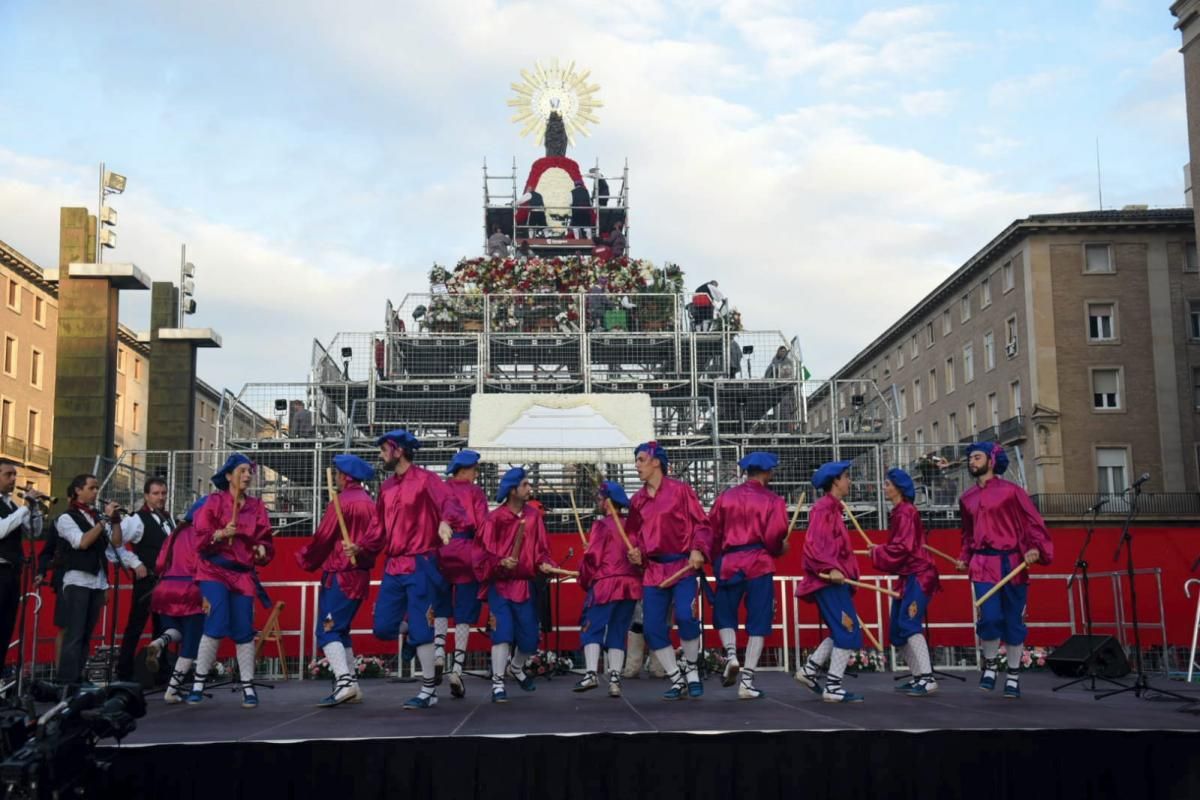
x,y
146,531
15,522
83,550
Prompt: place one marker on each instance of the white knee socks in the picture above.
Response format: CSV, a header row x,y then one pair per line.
x,y
591,656
729,641
425,654
335,653
754,648
205,656
691,652
461,634
245,659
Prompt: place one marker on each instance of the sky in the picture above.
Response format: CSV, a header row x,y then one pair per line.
x,y
828,163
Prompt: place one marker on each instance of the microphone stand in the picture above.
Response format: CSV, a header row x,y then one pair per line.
x,y
22,699
106,532
1141,684
1081,570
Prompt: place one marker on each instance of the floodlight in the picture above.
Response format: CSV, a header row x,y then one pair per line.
x,y
347,352
114,182
108,215
189,270
188,286
108,238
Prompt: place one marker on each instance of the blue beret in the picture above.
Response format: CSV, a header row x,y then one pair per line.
x,y
401,438
655,450
354,466
615,492
511,480
902,481
221,478
194,509
994,452
823,478
759,460
462,459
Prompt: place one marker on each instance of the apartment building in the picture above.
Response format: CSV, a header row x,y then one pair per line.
x,y
1072,338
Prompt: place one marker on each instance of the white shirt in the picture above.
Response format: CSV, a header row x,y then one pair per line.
x,y
132,530
19,520
72,535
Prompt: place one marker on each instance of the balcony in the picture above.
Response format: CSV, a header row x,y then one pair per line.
x,y
39,456
13,447
1178,505
1012,430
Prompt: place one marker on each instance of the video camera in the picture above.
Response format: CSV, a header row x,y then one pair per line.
x,y
56,753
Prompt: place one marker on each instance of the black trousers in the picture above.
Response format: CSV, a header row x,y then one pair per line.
x,y
10,602
138,614
80,609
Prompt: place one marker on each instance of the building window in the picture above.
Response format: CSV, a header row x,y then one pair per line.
x,y
952,427
946,322
989,351
933,430
14,295
35,368
1111,466
1006,276
899,357
887,366
137,369
964,308
1010,336
1101,322
120,360
949,374
1191,263
10,356
34,432
913,350
120,412
929,334
968,363
1014,398
1106,389
134,424
972,420
1097,258
7,420
985,293
903,405
916,395
1194,319
932,385
39,311
920,437
993,410
1196,388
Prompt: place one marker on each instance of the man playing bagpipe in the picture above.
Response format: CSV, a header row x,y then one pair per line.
x,y
418,514
905,555
749,529
458,560
669,531
1000,529
345,557
614,585
234,536
828,560
515,548
177,601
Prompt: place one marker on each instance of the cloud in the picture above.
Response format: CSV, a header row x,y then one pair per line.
x,y
928,103
991,143
1013,92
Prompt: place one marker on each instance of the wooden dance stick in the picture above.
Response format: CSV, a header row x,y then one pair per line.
x,y
796,513
612,510
674,579
988,594
566,573
881,589
854,519
941,553
517,542
578,521
870,635
337,509
862,552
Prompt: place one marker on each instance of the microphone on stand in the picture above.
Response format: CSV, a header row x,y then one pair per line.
x,y
1138,483
1101,503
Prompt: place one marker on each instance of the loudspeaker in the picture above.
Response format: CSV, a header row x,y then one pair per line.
x,y
1070,660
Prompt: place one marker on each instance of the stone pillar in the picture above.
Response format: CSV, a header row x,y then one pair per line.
x,y
86,363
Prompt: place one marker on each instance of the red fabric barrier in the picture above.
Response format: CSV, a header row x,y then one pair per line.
x,y
1170,549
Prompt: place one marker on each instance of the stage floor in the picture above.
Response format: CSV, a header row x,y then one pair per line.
x,y
287,713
